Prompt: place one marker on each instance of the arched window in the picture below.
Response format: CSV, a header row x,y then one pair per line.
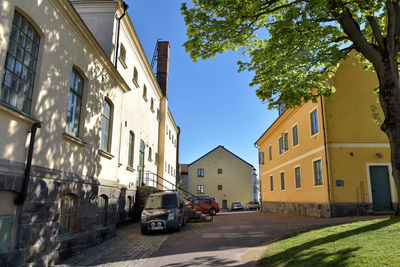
x,y
20,67
135,75
68,214
102,210
106,126
74,103
128,206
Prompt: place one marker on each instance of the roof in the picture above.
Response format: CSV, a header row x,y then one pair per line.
x,y
226,151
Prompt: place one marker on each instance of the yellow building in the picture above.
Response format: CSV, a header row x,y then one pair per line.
x,y
223,175
329,158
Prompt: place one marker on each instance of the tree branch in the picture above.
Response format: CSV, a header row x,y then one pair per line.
x,y
376,31
391,26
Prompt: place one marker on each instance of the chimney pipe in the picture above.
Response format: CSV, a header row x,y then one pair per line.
x,y
163,66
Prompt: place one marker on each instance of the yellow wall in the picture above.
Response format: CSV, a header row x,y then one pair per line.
x,y
308,149
235,178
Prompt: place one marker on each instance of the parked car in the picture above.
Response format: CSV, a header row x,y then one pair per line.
x,y
253,205
162,211
205,205
236,205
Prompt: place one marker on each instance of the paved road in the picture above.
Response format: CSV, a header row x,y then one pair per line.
x,y
228,241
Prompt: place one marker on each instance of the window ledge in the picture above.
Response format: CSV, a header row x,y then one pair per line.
x,y
135,83
122,63
130,169
145,98
17,113
74,139
105,154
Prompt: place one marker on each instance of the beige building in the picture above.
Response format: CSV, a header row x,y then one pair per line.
x,y
223,175
81,128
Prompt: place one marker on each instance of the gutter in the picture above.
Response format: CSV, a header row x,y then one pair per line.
x,y
22,196
326,159
125,6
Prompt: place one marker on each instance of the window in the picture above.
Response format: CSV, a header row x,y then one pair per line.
x,y
102,210
297,177
128,205
106,126
122,53
67,215
281,108
220,187
282,181
317,172
200,172
270,152
314,122
7,220
145,92
152,104
219,170
165,166
169,134
271,183
20,67
295,136
6,225
283,143
261,158
166,128
150,154
200,189
169,169
74,103
157,160
131,148
135,76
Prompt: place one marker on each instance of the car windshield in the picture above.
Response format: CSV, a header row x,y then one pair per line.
x,y
161,202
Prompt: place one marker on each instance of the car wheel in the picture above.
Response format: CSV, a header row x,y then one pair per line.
x,y
212,212
144,231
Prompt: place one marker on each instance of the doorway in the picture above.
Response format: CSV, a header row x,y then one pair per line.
x,y
380,188
225,204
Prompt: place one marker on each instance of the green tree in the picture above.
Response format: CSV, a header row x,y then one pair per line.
x,y
294,47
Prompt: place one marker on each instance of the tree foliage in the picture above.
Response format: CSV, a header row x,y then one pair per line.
x,y
289,43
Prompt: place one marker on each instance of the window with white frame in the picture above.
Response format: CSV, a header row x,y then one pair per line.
x,y
270,152
106,126
131,148
271,183
261,157
317,165
297,177
295,135
282,181
68,214
200,172
20,66
283,143
200,189
74,103
314,122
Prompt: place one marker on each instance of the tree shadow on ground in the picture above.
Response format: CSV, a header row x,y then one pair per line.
x,y
295,255
210,260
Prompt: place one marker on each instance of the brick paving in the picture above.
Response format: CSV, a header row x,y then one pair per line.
x,y
127,249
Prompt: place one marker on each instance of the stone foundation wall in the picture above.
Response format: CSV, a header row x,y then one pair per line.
x,y
37,223
291,208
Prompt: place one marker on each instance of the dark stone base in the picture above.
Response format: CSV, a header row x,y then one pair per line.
x,y
291,208
351,209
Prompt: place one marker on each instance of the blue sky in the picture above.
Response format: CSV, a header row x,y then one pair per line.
x,y
211,102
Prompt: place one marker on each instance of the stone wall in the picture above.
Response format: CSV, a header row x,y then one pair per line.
x,y
290,208
37,222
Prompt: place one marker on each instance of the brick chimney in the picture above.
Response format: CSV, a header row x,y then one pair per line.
x,y
163,66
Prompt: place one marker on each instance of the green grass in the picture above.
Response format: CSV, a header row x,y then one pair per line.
x,y
367,243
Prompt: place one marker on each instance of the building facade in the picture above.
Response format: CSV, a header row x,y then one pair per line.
x,y
223,175
79,132
329,158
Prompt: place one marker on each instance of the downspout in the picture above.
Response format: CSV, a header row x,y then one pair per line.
x,y
259,174
22,196
326,158
125,6
177,169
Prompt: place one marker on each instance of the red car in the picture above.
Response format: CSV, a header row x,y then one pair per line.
x,y
205,205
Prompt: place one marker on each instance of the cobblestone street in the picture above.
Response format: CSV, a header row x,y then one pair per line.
x,y
128,248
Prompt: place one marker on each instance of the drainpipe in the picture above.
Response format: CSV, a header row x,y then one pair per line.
x,y
22,196
125,6
326,158
259,174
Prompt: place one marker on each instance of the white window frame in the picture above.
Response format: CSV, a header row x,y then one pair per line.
x,y
309,119
280,180
298,140
322,172
295,184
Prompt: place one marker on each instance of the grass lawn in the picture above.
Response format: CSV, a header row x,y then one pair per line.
x,y
367,243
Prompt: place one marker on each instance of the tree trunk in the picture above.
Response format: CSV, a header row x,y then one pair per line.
x,y
389,97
